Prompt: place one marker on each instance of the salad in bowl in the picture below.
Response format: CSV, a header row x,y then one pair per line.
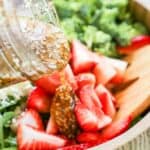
x,y
78,107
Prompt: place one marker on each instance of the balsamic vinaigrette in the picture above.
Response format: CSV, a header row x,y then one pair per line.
x,y
62,109
42,50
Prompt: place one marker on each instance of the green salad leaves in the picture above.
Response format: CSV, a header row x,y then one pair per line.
x,y
100,24
10,108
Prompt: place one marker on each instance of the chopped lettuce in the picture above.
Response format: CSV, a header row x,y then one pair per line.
x,y
99,41
10,108
1,132
126,32
101,24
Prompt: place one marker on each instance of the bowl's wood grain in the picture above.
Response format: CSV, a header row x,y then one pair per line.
x,y
136,138
141,142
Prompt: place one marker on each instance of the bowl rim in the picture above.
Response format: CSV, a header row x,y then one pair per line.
x,y
126,137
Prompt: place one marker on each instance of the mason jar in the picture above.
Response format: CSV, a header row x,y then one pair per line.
x,y
31,42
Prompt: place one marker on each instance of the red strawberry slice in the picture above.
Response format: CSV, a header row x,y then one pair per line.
x,y
90,120
39,100
51,126
88,137
107,100
136,43
70,77
120,67
115,129
118,79
89,97
103,72
32,139
82,59
49,82
76,147
85,79
32,118
87,120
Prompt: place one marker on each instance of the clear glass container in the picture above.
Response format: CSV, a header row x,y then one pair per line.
x,y
31,42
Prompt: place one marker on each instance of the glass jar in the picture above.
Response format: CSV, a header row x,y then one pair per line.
x,y
31,42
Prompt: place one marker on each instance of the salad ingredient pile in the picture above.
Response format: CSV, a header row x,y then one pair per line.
x,y
101,25
74,108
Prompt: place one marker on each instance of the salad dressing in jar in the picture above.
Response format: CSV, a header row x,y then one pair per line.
x,y
31,42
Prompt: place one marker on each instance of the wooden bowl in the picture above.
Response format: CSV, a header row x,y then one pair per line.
x,y
136,138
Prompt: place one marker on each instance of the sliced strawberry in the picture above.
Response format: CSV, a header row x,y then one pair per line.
x,y
115,129
90,120
136,43
49,82
82,60
39,100
51,126
85,79
88,137
70,77
89,98
118,79
32,139
103,72
103,120
32,118
75,147
107,100
71,142
118,64
86,119
120,67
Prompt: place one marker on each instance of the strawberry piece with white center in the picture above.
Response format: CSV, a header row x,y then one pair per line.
x,y
89,98
51,126
32,139
120,66
82,59
107,100
85,79
90,120
32,118
103,72
69,76
39,100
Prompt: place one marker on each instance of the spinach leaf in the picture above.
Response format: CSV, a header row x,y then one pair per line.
x,y
1,132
